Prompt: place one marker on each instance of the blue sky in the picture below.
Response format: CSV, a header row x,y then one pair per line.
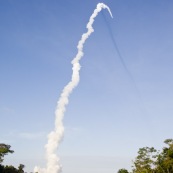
x,y
113,111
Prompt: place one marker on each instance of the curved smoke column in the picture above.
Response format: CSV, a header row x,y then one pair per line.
x,y
55,137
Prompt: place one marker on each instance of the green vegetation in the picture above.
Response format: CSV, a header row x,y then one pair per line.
x,y
123,171
149,160
4,150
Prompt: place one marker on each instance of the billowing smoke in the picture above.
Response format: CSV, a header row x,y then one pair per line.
x,y
55,137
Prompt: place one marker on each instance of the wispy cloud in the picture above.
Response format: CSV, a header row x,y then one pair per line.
x,y
7,110
24,135
73,132
73,129
32,136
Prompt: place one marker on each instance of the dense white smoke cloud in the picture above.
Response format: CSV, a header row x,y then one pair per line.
x,y
55,137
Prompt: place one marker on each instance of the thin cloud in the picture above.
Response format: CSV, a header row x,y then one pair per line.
x,y
24,135
6,110
32,136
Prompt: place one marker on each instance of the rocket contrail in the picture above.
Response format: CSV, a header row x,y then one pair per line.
x,y
55,137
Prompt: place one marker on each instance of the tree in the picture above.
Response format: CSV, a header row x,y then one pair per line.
x,y
145,161
20,168
149,160
122,171
1,168
166,157
4,149
10,169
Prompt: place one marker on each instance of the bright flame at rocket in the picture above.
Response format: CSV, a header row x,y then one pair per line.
x,y
55,137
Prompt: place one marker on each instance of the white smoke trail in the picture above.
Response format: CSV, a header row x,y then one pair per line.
x,y
55,137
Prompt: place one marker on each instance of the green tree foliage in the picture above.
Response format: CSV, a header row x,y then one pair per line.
x,y
149,160
145,161
123,171
20,168
164,160
4,149
10,169
1,168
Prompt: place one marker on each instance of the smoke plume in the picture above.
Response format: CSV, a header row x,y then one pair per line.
x,y
55,137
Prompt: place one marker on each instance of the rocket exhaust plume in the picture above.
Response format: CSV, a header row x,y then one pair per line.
x,y
55,137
